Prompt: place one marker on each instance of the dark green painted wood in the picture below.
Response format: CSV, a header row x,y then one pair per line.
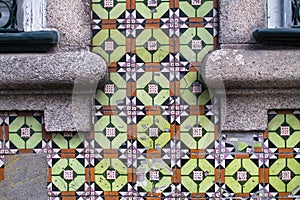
x,y
36,41
278,36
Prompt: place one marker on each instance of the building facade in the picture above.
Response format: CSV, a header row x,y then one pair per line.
x,y
181,99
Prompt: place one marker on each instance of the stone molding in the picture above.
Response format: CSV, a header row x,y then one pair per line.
x,y
254,81
242,68
60,84
50,71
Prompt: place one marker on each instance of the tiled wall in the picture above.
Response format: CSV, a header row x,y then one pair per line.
x,y
159,160
156,133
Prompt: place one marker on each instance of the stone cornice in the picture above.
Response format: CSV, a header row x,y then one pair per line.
x,y
50,71
241,68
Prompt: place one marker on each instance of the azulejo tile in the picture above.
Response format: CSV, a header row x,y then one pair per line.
x,y
110,44
108,9
152,9
198,176
197,8
110,174
194,91
195,43
154,175
198,132
25,133
68,174
110,125
241,177
146,98
152,45
153,132
284,129
67,140
106,140
284,175
153,88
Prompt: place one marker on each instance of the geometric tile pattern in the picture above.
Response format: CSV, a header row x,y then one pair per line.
x,y
154,118
282,146
155,124
161,160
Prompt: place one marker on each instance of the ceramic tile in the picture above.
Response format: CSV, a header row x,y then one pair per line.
x,y
197,8
284,129
154,175
198,132
110,44
110,128
153,104
110,174
67,140
68,174
153,88
240,176
195,43
25,133
152,9
108,9
284,175
153,132
198,176
152,45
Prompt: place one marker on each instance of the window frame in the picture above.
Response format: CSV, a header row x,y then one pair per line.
x,y
29,34
279,14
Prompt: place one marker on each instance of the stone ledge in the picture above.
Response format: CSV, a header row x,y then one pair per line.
x,y
50,71
252,68
247,109
61,85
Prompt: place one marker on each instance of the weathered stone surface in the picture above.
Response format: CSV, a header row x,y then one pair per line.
x,y
25,177
55,71
247,109
241,68
60,83
62,112
238,18
72,19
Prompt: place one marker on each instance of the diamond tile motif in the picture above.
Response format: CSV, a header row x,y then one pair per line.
x,y
153,132
198,132
195,43
198,176
284,175
110,132
153,88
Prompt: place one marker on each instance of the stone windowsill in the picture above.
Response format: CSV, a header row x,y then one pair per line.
x,y
59,84
238,69
50,71
254,81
